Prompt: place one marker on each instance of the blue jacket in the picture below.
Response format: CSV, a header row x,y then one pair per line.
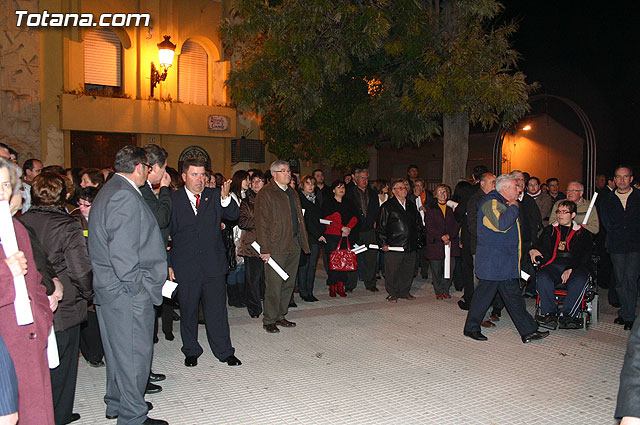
x,y
622,224
499,240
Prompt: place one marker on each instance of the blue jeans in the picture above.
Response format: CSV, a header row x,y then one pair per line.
x,y
626,268
236,276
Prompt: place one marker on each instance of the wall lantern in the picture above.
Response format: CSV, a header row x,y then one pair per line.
x,y
166,49
527,127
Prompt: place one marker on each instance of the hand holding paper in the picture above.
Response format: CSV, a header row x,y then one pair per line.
x,y
275,266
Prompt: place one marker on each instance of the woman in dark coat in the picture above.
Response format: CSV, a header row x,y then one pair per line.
x,y
442,229
254,266
63,240
342,214
312,215
27,344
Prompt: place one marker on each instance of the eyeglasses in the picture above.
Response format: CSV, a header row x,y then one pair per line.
x,y
283,171
563,212
574,190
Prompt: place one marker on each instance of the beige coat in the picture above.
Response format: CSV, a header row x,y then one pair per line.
x,y
545,204
583,205
272,216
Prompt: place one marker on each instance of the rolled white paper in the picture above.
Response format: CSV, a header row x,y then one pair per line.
x,y
21,304
359,250
588,214
275,266
447,261
52,350
323,221
373,246
303,211
452,204
524,275
396,248
168,288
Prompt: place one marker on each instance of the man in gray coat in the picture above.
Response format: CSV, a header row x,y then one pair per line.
x,y
129,268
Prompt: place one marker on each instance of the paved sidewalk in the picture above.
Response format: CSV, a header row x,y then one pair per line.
x,y
363,360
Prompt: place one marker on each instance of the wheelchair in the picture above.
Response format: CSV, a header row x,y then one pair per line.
x,y
588,312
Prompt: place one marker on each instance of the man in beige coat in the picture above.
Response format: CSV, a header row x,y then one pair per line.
x,y
575,190
281,234
543,200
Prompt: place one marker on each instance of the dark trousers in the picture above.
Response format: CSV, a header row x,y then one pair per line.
x,y
467,274
422,263
164,312
367,260
440,284
307,271
254,285
627,269
90,340
63,377
126,326
278,292
510,292
212,292
398,272
550,276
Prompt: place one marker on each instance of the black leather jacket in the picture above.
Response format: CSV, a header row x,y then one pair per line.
x,y
397,226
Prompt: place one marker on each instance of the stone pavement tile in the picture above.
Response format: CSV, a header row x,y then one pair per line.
x,y
362,360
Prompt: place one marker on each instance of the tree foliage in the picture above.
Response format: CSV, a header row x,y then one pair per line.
x,y
331,77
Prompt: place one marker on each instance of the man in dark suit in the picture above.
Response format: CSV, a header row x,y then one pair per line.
x,y
367,205
160,206
129,268
198,261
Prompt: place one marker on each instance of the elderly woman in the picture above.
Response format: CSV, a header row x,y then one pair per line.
x,y
442,229
342,214
312,215
27,344
63,240
254,266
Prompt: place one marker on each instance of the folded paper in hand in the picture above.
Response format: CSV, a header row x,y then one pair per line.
x,y
323,221
168,288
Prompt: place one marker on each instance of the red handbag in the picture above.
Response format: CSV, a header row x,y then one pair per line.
x,y
343,260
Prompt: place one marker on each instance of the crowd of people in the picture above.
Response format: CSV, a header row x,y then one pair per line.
x,y
97,247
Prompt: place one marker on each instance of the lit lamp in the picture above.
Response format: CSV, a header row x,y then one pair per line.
x,y
526,127
166,49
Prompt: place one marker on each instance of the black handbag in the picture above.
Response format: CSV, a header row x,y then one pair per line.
x,y
230,246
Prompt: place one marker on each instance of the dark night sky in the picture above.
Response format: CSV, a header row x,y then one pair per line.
x,y
586,51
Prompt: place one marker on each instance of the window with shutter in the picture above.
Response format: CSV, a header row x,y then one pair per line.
x,y
102,60
192,74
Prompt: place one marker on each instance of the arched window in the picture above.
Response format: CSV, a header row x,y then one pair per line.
x,y
192,74
102,61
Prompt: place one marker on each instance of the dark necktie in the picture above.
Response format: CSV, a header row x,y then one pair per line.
x,y
197,201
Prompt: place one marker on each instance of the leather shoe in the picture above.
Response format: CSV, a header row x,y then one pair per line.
x,y
232,361
156,377
628,325
150,421
313,299
477,335
392,299
191,361
149,407
534,336
74,417
487,324
494,318
169,336
93,363
293,304
271,328
152,388
410,297
373,289
463,305
618,321
285,323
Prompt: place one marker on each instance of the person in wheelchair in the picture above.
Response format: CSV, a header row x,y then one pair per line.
x,y
564,252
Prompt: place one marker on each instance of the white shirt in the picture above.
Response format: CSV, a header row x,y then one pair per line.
x,y
403,203
26,197
192,200
131,182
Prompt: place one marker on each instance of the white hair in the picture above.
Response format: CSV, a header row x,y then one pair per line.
x,y
503,179
275,164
